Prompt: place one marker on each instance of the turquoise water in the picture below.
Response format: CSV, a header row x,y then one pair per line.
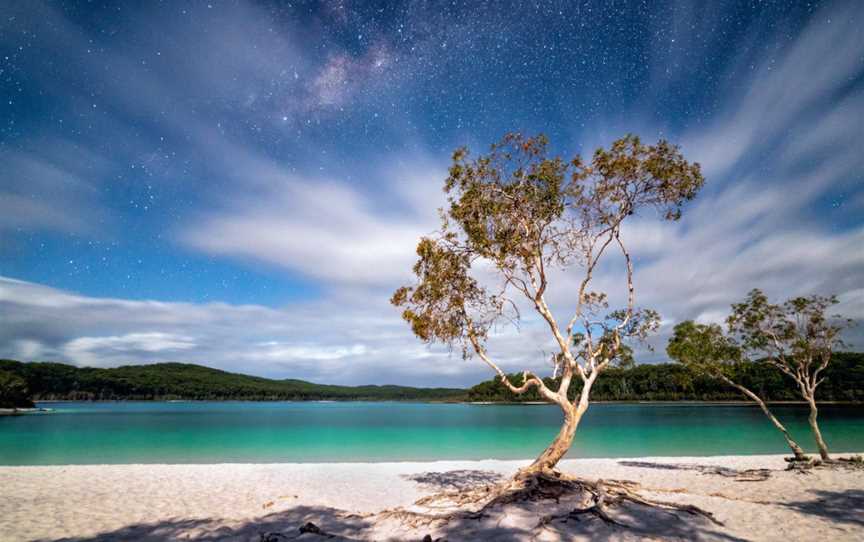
x,y
217,432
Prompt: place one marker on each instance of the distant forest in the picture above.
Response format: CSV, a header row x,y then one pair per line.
x,y
674,382
661,382
165,381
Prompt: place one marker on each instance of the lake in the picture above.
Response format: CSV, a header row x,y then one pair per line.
x,y
232,432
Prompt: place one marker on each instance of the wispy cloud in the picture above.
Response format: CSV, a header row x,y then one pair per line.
x,y
117,349
341,339
37,179
327,230
782,142
793,87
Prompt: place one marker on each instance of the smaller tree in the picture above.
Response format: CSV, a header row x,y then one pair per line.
x,y
797,338
705,349
13,391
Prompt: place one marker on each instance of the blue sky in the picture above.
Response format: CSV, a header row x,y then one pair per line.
x,y
241,184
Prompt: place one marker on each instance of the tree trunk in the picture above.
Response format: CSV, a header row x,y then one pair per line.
x,y
796,449
814,426
550,457
572,415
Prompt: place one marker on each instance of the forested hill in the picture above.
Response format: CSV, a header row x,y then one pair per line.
x,y
844,381
661,382
186,381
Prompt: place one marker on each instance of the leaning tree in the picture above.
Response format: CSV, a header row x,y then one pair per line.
x,y
797,338
517,217
706,350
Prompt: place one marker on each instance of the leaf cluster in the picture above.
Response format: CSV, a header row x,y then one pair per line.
x,y
704,348
519,211
797,337
794,330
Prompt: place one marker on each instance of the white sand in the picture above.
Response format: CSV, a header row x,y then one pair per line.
x,y
238,502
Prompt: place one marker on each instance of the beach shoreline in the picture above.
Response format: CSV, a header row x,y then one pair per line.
x,y
237,501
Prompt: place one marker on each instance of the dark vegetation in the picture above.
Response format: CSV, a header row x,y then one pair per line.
x,y
673,382
48,381
13,391
662,382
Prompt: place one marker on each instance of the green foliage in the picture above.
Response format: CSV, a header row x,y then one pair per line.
x,y
703,348
13,391
437,308
186,381
624,358
797,336
518,212
675,382
662,382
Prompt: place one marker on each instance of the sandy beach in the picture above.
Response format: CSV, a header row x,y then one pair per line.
x,y
242,501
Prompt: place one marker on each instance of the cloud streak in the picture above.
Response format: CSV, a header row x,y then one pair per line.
x,y
339,339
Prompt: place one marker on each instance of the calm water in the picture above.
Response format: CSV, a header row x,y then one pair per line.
x,y
205,432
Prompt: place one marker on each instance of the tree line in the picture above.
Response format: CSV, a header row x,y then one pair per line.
x,y
675,382
165,381
660,382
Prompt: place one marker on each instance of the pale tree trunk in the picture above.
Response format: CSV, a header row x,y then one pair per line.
x,y
558,448
550,457
796,449
814,425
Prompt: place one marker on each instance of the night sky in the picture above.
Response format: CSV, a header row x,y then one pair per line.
x,y
241,184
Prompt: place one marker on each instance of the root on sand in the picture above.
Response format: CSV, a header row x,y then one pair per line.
x,y
804,466
528,487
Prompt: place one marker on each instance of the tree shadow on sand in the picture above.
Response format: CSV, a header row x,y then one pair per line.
x,y
550,519
555,519
335,524
454,480
513,523
836,506
744,475
525,522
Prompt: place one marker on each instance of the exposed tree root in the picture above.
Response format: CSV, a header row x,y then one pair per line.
x,y
525,487
801,465
753,475
749,475
854,462
308,527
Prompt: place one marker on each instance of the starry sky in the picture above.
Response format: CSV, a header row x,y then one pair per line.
x,y
241,184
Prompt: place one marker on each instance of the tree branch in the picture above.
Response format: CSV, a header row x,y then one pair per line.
x,y
592,263
631,291
530,379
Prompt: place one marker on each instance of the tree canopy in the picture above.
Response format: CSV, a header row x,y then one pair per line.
x,y
13,391
518,213
844,382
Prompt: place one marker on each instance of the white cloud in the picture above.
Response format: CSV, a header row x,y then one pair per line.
x,y
97,351
326,230
353,337
287,352
782,99
34,179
